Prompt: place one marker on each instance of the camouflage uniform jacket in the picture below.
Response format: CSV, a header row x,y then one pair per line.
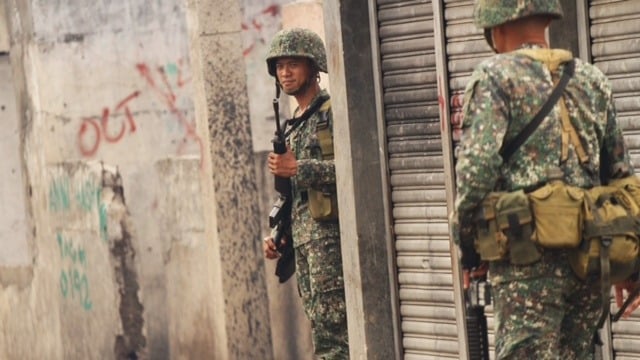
x,y
503,95
313,172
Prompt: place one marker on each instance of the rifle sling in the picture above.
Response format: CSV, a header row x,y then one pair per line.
x,y
295,122
510,148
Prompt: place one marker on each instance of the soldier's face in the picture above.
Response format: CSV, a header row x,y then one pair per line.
x,y
293,74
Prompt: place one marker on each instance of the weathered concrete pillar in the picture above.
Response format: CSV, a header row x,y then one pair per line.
x,y
366,248
221,101
564,34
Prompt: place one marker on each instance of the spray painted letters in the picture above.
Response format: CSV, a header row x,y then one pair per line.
x,y
74,284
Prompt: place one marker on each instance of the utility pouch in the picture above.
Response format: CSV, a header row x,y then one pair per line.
x,y
490,243
323,203
610,245
514,219
558,213
631,185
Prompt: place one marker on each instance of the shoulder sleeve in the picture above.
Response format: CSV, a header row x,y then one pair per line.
x,y
317,172
484,124
615,162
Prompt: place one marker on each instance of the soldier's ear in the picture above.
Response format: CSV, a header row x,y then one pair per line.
x,y
499,38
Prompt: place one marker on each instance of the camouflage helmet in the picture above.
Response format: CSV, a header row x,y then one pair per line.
x,y
491,13
297,42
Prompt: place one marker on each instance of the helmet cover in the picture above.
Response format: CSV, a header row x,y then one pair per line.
x,y
491,13
297,42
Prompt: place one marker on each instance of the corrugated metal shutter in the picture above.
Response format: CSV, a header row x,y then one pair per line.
x,y
417,181
464,48
615,49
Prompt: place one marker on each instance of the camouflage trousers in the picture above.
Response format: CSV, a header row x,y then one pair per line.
x,y
543,311
321,285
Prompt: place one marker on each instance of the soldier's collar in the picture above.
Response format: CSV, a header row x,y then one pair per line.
x,y
532,46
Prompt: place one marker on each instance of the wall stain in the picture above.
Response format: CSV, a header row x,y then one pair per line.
x,y
131,344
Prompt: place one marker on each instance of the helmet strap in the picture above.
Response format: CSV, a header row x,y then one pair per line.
x,y
489,38
276,108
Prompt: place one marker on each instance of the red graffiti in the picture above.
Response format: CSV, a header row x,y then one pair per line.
x,y
89,150
166,93
180,81
457,101
93,130
254,28
441,106
456,119
455,111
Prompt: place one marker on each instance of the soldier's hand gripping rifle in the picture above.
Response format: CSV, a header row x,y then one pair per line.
x,y
280,214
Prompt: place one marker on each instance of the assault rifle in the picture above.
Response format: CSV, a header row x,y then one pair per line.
x,y
280,214
477,296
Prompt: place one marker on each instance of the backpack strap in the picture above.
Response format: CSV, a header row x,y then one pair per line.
x,y
569,134
510,148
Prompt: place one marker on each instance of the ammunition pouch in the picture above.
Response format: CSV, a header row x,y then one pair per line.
x,y
513,215
558,210
504,226
323,203
490,243
610,247
600,227
609,252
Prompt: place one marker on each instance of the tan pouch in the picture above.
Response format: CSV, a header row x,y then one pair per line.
x,y
631,186
514,219
491,244
607,217
558,213
323,205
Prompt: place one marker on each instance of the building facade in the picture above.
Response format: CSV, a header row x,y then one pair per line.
x,y
134,188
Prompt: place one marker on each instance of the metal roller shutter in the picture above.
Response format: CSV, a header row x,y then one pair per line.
x,y
463,47
411,116
615,49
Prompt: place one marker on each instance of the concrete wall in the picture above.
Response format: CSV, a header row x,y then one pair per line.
x,y
365,229
140,233
215,35
14,249
261,19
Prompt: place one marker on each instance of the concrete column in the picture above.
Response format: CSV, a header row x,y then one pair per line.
x,y
564,33
366,250
221,101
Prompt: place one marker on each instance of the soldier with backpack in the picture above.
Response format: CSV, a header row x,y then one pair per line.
x,y
539,133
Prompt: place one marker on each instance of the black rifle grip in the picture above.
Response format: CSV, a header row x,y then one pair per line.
x,y
282,185
279,145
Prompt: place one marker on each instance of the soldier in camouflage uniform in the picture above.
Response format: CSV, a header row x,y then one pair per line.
x,y
295,59
542,310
